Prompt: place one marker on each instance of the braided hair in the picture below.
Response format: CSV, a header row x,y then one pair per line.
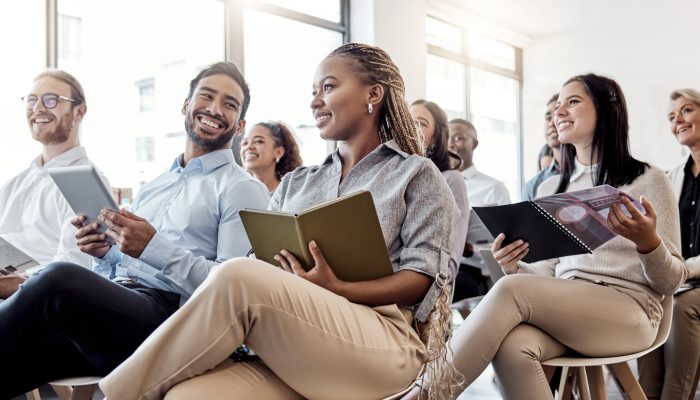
x,y
396,122
376,67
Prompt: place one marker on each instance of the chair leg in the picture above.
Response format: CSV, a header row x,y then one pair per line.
x,y
582,378
63,392
597,383
566,384
626,381
83,392
34,395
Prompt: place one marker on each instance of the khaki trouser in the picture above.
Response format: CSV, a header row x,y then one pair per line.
x,y
525,319
312,342
669,371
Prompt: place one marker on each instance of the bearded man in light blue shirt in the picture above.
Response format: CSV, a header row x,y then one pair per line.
x,y
69,321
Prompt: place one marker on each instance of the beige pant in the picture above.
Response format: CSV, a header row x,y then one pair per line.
x,y
525,319
669,371
312,341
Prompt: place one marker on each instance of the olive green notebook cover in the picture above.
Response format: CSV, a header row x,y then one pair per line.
x,y
346,230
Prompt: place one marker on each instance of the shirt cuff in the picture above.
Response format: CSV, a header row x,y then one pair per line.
x,y
158,251
105,265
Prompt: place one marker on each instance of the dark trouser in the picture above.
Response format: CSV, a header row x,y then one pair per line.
x,y
470,283
68,321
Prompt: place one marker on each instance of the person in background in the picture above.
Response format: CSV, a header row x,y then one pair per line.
x,y
269,151
552,138
318,337
69,321
34,215
433,122
671,371
482,190
544,158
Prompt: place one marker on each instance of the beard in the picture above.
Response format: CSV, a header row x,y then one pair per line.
x,y
208,143
58,135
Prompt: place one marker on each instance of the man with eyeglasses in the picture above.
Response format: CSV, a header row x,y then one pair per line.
x,y
34,216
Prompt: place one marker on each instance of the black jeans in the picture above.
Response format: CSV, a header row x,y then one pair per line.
x,y
69,321
469,283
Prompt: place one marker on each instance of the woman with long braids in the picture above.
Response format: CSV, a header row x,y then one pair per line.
x,y
602,304
318,337
269,151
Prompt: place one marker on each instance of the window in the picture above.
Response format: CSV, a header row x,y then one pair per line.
x,y
478,78
325,9
24,51
69,37
147,95
279,69
125,111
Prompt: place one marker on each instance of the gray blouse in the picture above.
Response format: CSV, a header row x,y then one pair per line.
x,y
416,209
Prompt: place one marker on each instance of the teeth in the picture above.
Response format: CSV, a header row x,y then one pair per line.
x,y
42,120
209,123
322,118
563,125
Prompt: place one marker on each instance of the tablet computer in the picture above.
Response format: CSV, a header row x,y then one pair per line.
x,y
85,191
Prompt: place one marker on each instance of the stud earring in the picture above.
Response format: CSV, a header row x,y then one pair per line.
x,y
370,109
277,160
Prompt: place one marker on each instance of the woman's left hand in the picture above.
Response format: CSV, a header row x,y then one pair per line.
x,y
639,228
321,273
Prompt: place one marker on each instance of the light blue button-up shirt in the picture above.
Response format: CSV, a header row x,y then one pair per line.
x,y
194,210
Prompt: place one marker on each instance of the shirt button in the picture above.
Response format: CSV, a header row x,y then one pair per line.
x,y
691,245
692,203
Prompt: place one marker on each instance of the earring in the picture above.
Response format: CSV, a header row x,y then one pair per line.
x,y
370,109
277,160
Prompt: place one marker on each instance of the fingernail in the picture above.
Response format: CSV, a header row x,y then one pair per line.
x,y
313,244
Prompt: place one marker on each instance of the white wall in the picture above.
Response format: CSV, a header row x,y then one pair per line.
x,y
398,27
649,48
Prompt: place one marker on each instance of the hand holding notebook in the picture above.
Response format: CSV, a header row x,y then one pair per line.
x,y
558,225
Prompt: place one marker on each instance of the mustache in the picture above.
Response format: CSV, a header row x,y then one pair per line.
x,y
212,116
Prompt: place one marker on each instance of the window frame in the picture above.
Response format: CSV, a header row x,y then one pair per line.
x,y
465,59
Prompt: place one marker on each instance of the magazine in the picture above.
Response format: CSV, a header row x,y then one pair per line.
x,y
559,225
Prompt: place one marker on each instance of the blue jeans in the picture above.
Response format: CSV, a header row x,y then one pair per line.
x,y
69,321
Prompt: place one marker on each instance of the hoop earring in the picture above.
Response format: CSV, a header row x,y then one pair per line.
x,y
370,109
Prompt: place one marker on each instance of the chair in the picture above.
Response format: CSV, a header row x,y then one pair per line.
x,y
81,388
580,368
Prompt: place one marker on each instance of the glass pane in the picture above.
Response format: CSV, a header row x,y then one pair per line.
x,y
326,9
445,85
443,35
491,51
136,83
23,49
280,74
494,103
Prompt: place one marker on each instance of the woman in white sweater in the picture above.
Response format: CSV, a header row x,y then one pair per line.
x,y
671,371
599,304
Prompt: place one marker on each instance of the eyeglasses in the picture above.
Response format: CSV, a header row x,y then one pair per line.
x,y
49,100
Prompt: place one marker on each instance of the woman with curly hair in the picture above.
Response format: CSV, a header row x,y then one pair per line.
x,y
269,151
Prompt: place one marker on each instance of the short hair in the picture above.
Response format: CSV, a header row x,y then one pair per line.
x,y
230,70
553,99
465,123
690,94
283,136
76,89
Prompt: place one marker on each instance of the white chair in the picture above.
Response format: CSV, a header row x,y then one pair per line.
x,y
580,368
81,388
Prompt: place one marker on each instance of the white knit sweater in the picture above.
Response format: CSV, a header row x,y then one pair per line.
x,y
649,276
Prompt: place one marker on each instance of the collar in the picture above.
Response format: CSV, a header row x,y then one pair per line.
x,y
205,163
580,169
390,144
470,172
62,160
688,166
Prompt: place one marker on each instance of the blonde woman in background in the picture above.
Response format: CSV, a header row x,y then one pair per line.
x,y
670,372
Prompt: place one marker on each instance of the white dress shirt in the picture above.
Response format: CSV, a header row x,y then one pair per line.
x,y
484,190
34,215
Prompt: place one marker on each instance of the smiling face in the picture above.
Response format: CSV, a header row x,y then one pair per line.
x,y
56,125
684,116
550,130
426,121
212,114
340,99
259,150
575,117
